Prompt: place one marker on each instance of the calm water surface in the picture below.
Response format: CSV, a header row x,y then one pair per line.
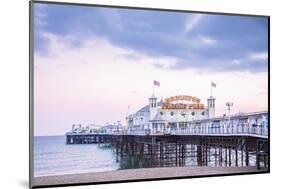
x,y
53,157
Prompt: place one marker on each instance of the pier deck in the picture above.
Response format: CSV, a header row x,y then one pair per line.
x,y
190,151
181,150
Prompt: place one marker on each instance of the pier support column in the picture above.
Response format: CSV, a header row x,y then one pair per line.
x,y
117,152
225,151
236,158
176,154
242,158
199,155
206,156
183,154
247,158
209,154
229,156
246,154
161,154
220,156
216,156
257,156
265,160
258,160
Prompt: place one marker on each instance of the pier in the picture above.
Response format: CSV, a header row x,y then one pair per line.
x,y
211,143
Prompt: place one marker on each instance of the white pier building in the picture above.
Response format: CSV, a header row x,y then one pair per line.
x,y
172,112
184,114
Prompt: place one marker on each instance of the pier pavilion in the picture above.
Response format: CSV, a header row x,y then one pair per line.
x,y
173,112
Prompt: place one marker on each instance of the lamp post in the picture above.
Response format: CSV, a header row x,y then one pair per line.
x,y
229,105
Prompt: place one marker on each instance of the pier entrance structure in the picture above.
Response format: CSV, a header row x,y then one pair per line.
x,y
173,112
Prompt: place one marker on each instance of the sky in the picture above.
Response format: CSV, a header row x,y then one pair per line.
x,y
96,65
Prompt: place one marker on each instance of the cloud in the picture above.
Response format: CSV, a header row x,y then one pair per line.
x,y
252,57
58,44
259,55
207,40
236,61
192,21
188,40
256,61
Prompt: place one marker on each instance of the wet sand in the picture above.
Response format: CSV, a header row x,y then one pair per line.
x,y
140,174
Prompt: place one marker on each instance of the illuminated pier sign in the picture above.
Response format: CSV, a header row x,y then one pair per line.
x,y
173,102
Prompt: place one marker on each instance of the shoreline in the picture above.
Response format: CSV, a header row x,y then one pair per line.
x,y
142,174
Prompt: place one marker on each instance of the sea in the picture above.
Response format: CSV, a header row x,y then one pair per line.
x,y
53,157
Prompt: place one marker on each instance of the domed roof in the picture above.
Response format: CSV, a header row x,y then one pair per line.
x,y
158,117
144,109
160,103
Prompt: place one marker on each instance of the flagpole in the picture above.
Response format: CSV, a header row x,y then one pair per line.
x,y
211,90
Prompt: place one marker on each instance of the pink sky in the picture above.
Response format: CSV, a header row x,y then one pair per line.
x,y
95,83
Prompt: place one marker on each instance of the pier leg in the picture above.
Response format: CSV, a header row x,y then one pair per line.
x,y
121,149
199,155
203,156
229,156
133,148
176,154
225,156
257,156
206,156
142,150
220,155
265,160
161,154
180,154
247,158
127,146
242,159
236,158
215,156
117,152
183,154
258,160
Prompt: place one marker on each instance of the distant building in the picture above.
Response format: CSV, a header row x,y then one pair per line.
x,y
113,128
93,128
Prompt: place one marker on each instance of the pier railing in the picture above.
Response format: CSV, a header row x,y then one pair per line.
x,y
224,130
242,129
230,129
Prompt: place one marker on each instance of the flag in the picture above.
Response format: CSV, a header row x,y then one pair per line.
x,y
156,83
213,84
